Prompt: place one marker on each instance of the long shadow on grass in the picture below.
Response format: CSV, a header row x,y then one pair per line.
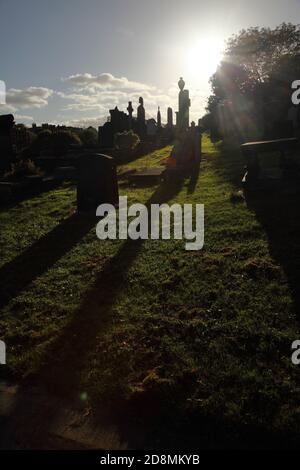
x,y
21,271
278,212
67,357
193,179
78,338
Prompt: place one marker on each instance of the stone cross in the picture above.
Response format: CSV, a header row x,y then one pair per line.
x,y
130,111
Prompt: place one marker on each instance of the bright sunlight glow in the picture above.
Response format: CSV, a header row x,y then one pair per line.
x,y
204,57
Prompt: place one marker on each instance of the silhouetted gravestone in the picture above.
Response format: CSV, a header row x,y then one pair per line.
x,y
130,111
158,118
119,122
151,127
97,182
141,123
6,142
271,169
184,104
170,118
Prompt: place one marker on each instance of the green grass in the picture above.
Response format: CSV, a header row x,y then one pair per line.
x,y
176,337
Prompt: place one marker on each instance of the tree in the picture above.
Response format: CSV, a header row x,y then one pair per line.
x,y
54,143
126,140
260,52
259,67
89,137
61,142
42,142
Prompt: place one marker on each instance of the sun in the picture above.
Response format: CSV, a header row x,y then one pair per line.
x,y
203,57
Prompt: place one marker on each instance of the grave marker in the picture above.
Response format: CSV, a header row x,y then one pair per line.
x,y
97,182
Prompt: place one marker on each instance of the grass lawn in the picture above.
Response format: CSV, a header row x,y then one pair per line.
x,y
194,346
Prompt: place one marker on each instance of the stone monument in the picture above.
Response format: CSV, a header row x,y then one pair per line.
x,y
7,149
130,111
141,111
158,118
141,123
170,118
119,122
151,127
184,104
97,182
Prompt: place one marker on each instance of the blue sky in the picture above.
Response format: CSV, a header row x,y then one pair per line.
x,y
69,61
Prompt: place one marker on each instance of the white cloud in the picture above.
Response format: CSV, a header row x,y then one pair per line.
x,y
82,102
83,122
84,96
7,109
104,91
106,81
31,97
23,117
95,95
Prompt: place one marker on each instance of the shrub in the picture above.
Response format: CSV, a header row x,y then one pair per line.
x,y
42,142
127,140
56,143
89,137
62,140
22,168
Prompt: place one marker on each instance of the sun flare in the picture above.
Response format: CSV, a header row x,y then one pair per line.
x,y
204,57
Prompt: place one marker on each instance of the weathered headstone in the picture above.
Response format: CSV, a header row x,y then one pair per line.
x,y
97,182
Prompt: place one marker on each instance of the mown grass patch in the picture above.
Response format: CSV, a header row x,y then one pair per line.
x,y
177,336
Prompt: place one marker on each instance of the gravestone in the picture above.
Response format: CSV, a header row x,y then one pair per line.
x,y
106,135
267,162
6,141
119,122
170,118
97,182
151,127
130,111
141,122
158,118
184,103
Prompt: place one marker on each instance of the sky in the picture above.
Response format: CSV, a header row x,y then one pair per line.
x,y
70,61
